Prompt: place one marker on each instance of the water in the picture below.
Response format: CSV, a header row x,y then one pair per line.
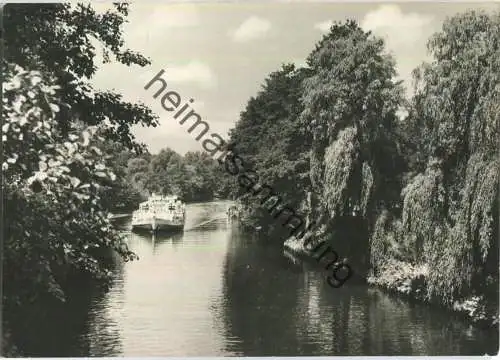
x,y
214,292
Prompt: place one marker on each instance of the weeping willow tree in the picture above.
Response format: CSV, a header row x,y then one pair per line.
x,y
350,105
450,212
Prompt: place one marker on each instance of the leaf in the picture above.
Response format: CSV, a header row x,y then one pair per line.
x,y
86,138
97,150
42,166
41,176
35,80
54,108
53,163
82,196
75,181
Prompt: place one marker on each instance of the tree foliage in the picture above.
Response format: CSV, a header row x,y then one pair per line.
x,y
193,177
61,40
350,102
270,140
50,180
452,207
449,220
59,170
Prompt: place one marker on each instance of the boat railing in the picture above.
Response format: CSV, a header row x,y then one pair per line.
x,y
159,211
157,206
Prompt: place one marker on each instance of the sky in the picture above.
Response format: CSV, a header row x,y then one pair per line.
x,y
220,53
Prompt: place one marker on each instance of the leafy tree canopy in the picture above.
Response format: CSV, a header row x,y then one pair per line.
x,y
59,39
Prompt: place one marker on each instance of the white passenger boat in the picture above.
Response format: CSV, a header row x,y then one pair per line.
x,y
160,213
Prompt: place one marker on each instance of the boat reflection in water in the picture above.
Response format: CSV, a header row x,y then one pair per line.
x,y
158,239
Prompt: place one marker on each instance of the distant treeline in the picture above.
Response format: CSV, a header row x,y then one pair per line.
x,y
194,176
411,200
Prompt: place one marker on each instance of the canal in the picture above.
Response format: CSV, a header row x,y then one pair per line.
x,y
213,292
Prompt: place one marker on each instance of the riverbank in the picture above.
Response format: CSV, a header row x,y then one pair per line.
x,y
410,281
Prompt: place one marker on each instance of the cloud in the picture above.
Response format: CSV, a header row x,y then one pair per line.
x,y
195,72
252,28
405,35
148,23
168,16
398,27
324,26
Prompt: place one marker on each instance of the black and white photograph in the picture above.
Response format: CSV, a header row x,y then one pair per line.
x,y
250,178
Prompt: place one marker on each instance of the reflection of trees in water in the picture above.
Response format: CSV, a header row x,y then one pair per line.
x,y
49,329
271,311
103,335
268,310
259,305
82,326
413,328
359,320
322,318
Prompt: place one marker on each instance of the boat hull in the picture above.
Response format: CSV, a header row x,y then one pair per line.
x,y
157,224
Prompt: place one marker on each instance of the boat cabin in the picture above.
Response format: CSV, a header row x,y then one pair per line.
x,y
158,203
